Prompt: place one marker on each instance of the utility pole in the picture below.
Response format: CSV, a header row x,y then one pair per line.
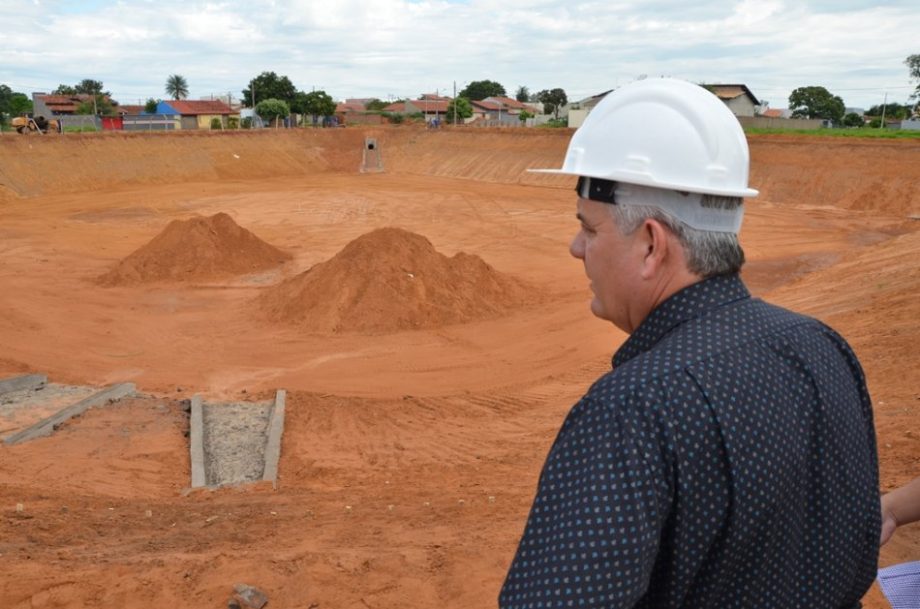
x,y
884,107
455,102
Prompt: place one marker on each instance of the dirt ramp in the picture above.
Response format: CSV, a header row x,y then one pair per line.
x,y
196,249
389,280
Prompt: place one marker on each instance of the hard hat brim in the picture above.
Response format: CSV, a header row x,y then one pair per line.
x,y
644,180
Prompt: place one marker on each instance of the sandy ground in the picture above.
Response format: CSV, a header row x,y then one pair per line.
x,y
409,459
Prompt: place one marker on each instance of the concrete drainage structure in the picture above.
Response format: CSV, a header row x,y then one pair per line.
x,y
23,390
230,443
371,162
235,443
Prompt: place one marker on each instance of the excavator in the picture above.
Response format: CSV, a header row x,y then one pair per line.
x,y
26,124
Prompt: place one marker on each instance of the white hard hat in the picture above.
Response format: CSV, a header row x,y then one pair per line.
x,y
663,133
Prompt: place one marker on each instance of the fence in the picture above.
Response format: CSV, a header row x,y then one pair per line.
x,y
150,122
766,122
82,122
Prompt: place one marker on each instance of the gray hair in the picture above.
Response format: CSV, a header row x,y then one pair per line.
x,y
709,253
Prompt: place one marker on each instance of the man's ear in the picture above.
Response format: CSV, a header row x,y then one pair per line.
x,y
656,241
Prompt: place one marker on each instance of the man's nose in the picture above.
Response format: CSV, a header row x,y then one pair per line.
x,y
577,246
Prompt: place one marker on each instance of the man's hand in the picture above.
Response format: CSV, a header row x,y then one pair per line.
x,y
889,523
900,506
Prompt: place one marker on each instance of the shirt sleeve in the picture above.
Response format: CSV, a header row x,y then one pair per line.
x,y
593,532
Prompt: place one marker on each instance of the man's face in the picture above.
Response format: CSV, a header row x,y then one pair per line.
x,y
612,263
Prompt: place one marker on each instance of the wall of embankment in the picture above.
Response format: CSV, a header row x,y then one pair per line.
x,y
851,173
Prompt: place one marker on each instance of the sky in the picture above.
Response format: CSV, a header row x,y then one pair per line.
x,y
402,48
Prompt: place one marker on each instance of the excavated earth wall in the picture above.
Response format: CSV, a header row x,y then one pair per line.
x,y
850,173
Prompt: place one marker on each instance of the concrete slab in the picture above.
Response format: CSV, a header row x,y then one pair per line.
x,y
19,383
47,426
273,442
196,443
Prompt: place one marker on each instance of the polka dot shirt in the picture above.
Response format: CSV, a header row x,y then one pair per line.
x,y
727,460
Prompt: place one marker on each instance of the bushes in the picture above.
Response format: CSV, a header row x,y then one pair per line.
x,y
272,109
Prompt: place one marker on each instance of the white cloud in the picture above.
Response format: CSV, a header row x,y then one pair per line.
x,y
351,48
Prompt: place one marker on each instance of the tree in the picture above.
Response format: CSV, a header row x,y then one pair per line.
x,y
13,103
522,94
177,86
552,100
103,106
88,86
151,106
64,90
913,65
6,94
375,105
299,104
20,104
464,110
816,102
273,109
481,89
318,103
852,119
269,85
523,116
892,110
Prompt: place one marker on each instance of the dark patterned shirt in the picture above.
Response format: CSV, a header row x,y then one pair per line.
x,y
727,460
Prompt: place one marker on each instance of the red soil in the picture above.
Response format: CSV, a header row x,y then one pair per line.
x,y
196,249
433,438
391,279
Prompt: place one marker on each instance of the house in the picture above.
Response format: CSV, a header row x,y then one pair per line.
x,y
775,113
47,105
130,109
576,112
492,112
354,112
359,101
738,98
511,105
430,106
350,107
235,103
197,114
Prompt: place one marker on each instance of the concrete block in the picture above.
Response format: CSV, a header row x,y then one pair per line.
x,y
18,383
46,426
196,442
273,442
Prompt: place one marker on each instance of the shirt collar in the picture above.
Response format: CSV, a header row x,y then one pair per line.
x,y
693,301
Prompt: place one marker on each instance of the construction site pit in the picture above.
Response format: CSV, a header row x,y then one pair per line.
x,y
413,293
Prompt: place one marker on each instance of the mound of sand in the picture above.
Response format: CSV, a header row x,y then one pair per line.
x,y
196,249
388,280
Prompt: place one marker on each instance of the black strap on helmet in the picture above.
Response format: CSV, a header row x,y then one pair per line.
x,y
596,189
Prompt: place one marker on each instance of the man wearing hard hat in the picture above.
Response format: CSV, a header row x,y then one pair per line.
x,y
728,459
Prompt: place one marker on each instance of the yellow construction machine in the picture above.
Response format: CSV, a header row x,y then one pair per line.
x,y
26,124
